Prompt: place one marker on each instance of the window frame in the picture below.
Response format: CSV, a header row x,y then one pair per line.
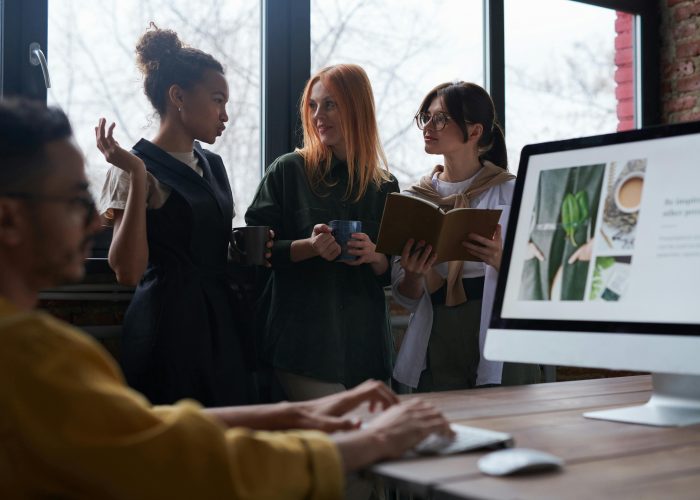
x,y
647,58
286,23
646,62
23,22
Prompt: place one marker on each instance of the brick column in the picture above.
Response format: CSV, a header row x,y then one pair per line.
x,y
624,71
680,60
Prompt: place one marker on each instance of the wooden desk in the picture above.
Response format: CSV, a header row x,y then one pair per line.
x,y
603,459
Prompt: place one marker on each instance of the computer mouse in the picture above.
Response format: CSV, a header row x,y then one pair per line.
x,y
517,460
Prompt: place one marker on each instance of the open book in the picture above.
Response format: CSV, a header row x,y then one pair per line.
x,y
406,217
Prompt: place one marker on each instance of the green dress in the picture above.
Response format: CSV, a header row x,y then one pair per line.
x,y
324,320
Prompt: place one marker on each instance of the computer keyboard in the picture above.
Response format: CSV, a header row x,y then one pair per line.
x,y
466,438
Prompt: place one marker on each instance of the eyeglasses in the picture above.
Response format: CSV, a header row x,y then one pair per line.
x,y
438,120
85,203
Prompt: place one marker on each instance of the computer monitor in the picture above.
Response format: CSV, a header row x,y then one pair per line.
x,y
601,264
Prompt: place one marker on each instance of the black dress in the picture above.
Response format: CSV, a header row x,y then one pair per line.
x,y
179,336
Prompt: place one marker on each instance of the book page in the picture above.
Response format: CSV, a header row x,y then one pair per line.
x,y
458,224
407,217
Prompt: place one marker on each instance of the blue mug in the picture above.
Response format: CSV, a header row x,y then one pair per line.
x,y
342,232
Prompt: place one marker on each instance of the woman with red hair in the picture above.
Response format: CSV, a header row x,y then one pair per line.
x,y
327,327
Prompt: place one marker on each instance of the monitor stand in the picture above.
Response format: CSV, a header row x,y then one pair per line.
x,y
674,402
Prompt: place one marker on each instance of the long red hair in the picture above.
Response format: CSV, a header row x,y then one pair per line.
x,y
352,92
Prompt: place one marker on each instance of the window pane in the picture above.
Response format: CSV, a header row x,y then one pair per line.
x,y
93,72
407,47
560,72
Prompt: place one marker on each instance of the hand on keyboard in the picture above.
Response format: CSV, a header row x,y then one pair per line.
x,y
465,438
433,444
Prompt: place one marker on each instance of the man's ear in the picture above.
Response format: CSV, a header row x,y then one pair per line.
x,y
12,222
176,96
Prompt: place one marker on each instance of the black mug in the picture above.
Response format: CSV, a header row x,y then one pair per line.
x,y
249,244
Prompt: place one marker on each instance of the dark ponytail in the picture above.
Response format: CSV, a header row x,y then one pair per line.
x,y
497,153
165,61
469,103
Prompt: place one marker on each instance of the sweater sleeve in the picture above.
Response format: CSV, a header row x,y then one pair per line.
x,y
80,423
397,274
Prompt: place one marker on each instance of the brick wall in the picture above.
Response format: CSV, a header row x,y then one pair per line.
x,y
680,60
624,72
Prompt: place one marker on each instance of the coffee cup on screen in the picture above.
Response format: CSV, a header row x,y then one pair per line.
x,y
342,232
249,244
628,192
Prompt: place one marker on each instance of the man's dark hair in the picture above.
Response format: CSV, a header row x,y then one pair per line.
x,y
25,128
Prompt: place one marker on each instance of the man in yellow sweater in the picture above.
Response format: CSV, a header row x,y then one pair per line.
x,y
71,428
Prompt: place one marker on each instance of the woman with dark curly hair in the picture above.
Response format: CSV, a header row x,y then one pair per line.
x,y
171,206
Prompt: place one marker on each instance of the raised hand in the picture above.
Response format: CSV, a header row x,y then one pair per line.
x,y
113,152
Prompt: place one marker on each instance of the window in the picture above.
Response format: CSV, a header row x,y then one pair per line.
x,y
407,47
93,72
560,72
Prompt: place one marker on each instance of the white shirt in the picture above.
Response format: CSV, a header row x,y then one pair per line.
x,y
444,189
116,187
410,361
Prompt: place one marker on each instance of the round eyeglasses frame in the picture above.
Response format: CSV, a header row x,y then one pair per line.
x,y
438,120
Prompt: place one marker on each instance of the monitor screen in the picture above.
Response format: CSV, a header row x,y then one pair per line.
x,y
601,264
605,235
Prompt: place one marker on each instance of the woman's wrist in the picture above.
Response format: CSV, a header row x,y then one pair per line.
x,y
302,250
360,448
280,416
379,264
137,178
413,279
411,285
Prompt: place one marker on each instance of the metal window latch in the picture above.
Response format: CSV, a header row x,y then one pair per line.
x,y
37,58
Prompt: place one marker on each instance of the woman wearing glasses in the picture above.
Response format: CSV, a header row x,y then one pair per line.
x,y
451,302
171,206
327,327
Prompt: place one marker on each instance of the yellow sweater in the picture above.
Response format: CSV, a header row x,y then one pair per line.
x,y
71,428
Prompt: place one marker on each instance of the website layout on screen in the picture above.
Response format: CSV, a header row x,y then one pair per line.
x,y
609,233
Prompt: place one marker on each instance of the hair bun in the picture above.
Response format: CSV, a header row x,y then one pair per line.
x,y
156,45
